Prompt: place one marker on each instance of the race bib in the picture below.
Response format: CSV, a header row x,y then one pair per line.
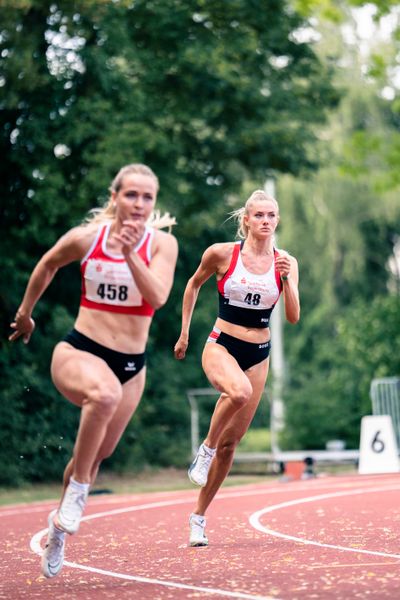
x,y
111,283
253,293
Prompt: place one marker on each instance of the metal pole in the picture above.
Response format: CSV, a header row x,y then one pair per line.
x,y
277,357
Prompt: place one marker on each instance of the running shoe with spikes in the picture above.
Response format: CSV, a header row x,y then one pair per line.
x,y
198,470
197,525
53,553
71,509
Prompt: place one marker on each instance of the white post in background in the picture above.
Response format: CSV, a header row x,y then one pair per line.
x,y
277,357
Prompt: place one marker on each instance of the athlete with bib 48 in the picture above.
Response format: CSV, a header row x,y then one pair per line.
x,y
127,268
251,274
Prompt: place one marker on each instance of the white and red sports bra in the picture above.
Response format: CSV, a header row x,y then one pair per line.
x,y
246,298
107,281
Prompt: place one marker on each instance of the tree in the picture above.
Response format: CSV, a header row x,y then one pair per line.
x,y
348,225
206,92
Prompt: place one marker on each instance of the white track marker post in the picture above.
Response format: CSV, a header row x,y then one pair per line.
x,y
378,448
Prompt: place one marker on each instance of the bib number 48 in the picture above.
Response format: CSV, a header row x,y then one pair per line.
x,y
253,299
111,291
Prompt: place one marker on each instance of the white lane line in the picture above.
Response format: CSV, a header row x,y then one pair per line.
x,y
254,519
295,486
36,547
170,584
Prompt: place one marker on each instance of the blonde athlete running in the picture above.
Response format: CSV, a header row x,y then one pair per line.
x,y
127,268
251,274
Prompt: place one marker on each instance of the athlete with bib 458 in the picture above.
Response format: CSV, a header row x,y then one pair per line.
x,y
127,268
251,274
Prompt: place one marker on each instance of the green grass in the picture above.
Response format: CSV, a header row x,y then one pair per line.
x,y
256,440
150,480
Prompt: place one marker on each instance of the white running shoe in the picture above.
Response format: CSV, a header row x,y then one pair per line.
x,y
198,470
71,509
53,553
197,525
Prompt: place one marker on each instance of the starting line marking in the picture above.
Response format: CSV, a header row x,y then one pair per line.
x,y
254,519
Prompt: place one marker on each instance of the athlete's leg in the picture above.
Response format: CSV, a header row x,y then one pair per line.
x,y
132,392
225,375
87,381
231,435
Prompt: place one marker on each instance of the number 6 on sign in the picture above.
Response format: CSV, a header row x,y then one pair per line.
x,y
378,445
378,448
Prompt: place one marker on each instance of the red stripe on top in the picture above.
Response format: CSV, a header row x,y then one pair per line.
x,y
214,334
145,309
232,266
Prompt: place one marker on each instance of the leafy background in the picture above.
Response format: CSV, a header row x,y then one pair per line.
x,y
215,97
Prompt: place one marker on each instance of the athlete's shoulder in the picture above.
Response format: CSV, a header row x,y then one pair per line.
x,y
221,250
81,234
164,240
217,256
79,239
282,252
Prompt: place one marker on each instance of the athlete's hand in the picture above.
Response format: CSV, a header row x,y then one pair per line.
x,y
181,347
23,326
130,234
282,263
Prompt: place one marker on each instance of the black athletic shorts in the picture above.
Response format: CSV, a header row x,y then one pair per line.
x,y
247,354
125,366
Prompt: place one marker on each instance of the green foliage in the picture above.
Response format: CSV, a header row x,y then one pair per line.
x,y
333,394
209,94
342,224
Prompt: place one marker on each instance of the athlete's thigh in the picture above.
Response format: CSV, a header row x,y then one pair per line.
x,y
132,392
75,373
243,417
222,370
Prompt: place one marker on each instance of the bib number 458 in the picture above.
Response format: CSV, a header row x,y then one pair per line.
x,y
112,291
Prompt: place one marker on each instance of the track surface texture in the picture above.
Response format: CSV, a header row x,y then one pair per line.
x,y
327,538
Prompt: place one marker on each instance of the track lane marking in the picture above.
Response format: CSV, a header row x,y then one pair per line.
x,y
37,549
254,519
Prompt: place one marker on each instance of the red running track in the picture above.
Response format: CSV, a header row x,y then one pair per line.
x,y
335,537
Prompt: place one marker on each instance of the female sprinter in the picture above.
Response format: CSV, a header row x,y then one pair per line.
x,y
251,275
127,268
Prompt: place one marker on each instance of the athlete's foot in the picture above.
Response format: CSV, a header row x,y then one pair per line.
x,y
198,470
72,506
197,525
53,553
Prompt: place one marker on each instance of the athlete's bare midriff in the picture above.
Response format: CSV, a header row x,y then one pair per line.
x,y
124,333
254,335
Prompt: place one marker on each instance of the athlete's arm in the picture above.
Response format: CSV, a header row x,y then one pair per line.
x,y
289,271
155,281
209,265
70,247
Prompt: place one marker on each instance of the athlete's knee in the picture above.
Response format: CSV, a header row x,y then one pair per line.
x,y
104,397
240,393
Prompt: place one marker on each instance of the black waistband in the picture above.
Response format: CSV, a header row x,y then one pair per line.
x,y
246,317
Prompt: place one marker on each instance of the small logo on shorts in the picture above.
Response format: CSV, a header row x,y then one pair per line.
x,y
130,366
263,345
263,320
